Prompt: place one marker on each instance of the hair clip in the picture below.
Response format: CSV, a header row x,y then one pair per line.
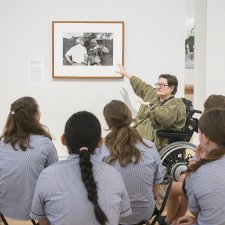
x,y
83,149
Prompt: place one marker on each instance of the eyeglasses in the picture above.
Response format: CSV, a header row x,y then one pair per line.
x,y
161,85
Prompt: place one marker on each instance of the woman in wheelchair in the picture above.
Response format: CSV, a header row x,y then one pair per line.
x,y
135,158
160,110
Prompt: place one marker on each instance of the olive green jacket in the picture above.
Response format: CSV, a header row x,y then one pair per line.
x,y
170,115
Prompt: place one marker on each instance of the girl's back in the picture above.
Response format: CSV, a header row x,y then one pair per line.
x,y
206,191
19,172
65,197
139,179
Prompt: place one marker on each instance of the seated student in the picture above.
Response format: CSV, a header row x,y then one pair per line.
x,y
80,190
136,159
160,109
177,203
214,101
25,150
204,182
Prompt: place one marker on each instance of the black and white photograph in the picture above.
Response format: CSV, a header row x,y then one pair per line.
x,y
87,49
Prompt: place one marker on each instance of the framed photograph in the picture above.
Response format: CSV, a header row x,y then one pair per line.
x,y
87,49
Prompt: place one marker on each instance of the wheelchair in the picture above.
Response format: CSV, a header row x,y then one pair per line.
x,y
178,153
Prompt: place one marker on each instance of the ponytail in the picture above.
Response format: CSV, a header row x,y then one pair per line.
x,y
212,156
122,138
212,125
90,184
22,122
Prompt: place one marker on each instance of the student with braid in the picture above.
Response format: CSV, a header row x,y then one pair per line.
x,y
25,150
205,183
80,190
136,159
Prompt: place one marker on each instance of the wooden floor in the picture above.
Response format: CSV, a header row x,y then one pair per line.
x,y
15,222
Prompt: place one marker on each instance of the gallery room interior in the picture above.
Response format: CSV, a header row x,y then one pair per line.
x,y
147,37
154,34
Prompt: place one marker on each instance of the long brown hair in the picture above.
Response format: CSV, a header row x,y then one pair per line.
x,y
122,139
212,125
214,101
21,123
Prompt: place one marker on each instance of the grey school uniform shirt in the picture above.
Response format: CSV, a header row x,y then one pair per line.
x,y
61,196
19,171
139,179
206,193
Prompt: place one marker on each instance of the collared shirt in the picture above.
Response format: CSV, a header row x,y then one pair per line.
x,y
206,193
19,171
78,53
139,179
61,196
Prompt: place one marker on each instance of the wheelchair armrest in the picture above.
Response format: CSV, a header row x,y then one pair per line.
x,y
171,133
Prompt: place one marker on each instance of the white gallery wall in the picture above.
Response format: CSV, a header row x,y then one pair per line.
x,y
215,48
154,44
209,49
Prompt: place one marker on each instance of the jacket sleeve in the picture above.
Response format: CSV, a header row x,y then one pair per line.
x,y
142,89
167,115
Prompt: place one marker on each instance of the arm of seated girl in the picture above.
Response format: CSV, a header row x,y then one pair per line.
x,y
186,220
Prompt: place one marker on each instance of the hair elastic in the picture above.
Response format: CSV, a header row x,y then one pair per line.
x,y
83,149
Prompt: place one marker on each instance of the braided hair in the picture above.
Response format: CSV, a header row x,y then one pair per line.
x,y
212,125
82,135
22,122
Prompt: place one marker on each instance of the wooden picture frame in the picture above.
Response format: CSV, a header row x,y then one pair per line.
x,y
87,49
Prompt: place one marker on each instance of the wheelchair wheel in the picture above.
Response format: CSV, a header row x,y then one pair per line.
x,y
175,158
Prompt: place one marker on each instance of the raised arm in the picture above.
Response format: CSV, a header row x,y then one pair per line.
x,y
140,87
123,72
103,49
